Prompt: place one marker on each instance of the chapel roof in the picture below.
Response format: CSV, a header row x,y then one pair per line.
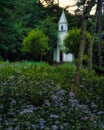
x,y
63,18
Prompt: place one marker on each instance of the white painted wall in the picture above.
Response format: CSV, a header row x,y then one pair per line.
x,y
68,57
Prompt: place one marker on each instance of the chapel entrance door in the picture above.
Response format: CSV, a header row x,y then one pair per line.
x,y
61,57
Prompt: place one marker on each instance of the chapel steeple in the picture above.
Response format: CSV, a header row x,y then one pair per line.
x,y
63,24
59,54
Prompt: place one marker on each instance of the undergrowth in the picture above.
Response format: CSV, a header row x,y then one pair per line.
x,y
37,96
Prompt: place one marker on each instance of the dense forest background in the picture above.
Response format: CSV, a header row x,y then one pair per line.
x,y
18,17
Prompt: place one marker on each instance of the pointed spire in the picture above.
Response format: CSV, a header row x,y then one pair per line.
x,y
63,18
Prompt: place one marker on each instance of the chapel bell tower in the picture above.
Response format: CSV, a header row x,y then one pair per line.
x,y
59,51
63,24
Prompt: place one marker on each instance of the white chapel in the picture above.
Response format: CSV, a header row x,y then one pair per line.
x,y
59,51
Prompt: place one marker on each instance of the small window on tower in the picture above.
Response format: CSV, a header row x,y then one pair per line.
x,y
61,27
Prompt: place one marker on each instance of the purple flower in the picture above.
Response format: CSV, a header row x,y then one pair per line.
x,y
42,121
93,105
54,127
47,103
84,118
54,116
57,122
74,102
26,111
42,126
13,102
61,127
54,97
100,112
6,122
72,95
82,86
61,92
84,108
66,124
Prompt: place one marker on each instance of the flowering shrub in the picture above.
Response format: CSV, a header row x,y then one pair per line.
x,y
91,91
33,98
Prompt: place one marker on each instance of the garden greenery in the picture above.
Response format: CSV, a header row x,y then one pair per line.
x,y
36,43
72,41
37,96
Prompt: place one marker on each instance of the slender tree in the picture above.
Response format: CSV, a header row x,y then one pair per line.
x,y
36,43
86,9
100,62
93,33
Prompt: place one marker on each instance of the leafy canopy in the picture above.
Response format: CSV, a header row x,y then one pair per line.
x,y
72,40
36,42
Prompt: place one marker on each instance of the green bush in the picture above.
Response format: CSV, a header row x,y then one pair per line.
x,y
37,96
99,70
91,90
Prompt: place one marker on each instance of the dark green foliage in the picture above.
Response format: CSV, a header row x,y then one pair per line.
x,y
16,19
99,70
72,41
49,27
74,20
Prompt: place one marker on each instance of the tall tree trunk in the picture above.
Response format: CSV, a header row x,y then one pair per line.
x,y
87,6
80,57
90,55
100,62
90,48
